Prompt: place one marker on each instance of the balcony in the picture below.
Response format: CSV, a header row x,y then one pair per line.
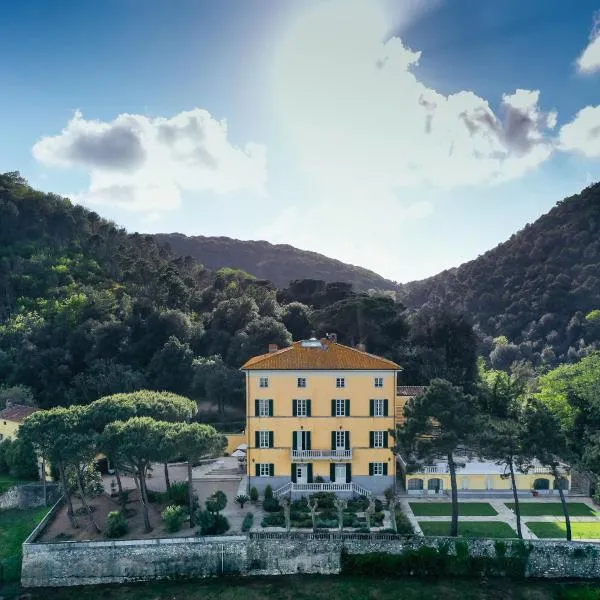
x,y
313,488
332,455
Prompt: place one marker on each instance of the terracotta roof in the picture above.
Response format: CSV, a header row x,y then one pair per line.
x,y
410,390
319,355
16,413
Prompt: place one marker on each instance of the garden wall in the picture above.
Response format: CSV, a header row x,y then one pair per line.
x,y
89,563
29,495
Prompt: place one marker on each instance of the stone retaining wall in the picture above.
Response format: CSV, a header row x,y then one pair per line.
x,y
90,563
29,495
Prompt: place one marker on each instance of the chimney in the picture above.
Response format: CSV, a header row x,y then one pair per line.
x,y
273,348
361,347
332,337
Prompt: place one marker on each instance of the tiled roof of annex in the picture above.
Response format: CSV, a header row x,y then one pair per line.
x,y
16,413
321,354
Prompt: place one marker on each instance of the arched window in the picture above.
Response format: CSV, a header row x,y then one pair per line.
x,y
564,483
541,484
435,485
415,484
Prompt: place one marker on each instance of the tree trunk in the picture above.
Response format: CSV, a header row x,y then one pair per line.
x,y
563,502
454,524
44,482
190,495
392,508
513,484
144,500
70,511
167,480
86,505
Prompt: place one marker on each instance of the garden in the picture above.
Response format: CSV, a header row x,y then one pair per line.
x,y
556,529
444,509
472,529
552,509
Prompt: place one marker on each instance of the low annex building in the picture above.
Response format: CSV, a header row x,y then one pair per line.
x,y
11,418
318,419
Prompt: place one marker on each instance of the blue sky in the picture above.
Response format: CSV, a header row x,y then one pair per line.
x,y
406,136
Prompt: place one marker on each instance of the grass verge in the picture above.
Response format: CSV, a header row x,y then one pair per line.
x,y
557,529
474,529
552,509
444,509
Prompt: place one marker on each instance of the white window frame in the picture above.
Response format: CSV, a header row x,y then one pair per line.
x,y
301,407
377,469
340,408
378,382
378,439
340,382
263,382
379,408
263,408
263,439
301,382
264,469
340,435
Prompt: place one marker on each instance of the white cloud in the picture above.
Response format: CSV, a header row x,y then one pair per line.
x,y
589,60
582,134
142,164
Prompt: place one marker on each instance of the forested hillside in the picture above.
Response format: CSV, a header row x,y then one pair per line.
x,y
88,310
536,293
279,263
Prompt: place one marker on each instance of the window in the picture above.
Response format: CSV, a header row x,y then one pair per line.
x,y
340,439
340,382
264,408
265,470
378,439
377,468
264,439
263,382
379,408
378,382
301,408
301,382
340,408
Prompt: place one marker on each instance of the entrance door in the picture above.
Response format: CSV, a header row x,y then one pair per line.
x,y
340,473
301,474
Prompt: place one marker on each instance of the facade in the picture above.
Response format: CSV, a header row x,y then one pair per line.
x,y
318,419
11,418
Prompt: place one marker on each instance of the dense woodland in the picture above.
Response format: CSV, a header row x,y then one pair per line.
x,y
88,310
279,263
535,292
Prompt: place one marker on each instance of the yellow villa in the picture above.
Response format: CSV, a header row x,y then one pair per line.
x,y
11,418
319,416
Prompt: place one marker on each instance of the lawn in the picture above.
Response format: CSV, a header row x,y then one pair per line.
x,y
6,482
313,588
475,529
15,526
556,529
552,509
444,509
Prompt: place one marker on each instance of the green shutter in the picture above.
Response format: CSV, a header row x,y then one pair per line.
x,y
371,408
333,440
295,440
385,467
256,439
347,408
332,472
294,409
371,439
385,439
308,441
333,408
385,408
347,440
308,407
271,469
257,470
271,440
348,472
270,408
293,473
256,410
309,474
371,469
